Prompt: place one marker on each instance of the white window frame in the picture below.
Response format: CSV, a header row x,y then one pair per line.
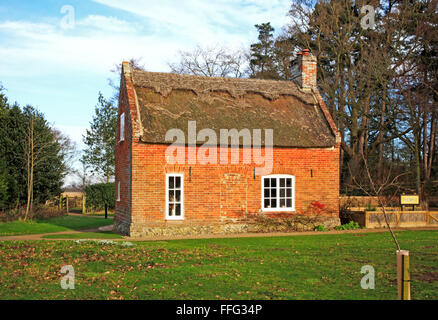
x,y
277,176
181,217
122,127
118,191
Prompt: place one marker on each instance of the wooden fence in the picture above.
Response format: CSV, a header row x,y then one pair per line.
x,y
396,218
72,204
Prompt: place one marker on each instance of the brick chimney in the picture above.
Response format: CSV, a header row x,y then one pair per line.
x,y
304,70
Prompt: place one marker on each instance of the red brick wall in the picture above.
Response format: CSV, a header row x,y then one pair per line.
x,y
123,155
214,193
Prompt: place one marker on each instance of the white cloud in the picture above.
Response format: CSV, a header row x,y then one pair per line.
x,y
42,49
207,21
162,28
108,24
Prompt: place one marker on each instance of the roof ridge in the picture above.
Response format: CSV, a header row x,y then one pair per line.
x,y
208,78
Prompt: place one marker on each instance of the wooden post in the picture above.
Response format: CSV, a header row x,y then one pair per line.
x,y
60,202
66,203
403,277
84,210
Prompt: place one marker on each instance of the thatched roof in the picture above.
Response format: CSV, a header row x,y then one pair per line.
x,y
169,101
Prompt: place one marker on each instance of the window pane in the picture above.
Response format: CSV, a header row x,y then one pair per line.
x,y
282,203
171,196
273,203
266,205
177,182
289,193
288,182
266,183
282,193
289,203
266,193
178,210
171,182
171,210
273,193
282,182
178,195
273,182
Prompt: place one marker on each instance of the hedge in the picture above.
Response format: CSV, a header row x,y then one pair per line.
x,y
100,194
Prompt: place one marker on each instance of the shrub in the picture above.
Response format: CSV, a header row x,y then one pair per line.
x,y
308,220
352,225
39,212
320,228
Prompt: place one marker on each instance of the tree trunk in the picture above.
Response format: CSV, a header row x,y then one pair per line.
x,y
30,167
417,166
431,145
380,139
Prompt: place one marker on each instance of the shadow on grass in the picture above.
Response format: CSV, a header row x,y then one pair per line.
x,y
58,224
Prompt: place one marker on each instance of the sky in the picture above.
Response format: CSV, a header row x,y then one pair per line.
x,y
58,55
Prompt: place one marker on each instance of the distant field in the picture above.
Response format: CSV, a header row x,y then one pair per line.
x,y
294,267
63,223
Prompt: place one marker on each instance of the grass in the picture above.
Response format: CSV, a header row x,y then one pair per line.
x,y
85,235
99,214
293,267
63,223
92,213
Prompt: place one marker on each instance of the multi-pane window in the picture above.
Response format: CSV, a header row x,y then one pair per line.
x,y
122,127
278,193
174,196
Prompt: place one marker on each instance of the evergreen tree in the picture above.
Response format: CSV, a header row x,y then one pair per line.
x,y
262,53
100,139
31,165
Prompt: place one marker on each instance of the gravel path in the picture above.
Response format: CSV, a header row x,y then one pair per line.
x,y
210,236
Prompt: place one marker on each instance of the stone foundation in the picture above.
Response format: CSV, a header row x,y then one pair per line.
x,y
330,223
140,230
122,227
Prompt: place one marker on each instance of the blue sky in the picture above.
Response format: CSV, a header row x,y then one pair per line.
x,y
60,68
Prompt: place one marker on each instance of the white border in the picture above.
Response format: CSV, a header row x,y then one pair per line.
x,y
181,217
278,193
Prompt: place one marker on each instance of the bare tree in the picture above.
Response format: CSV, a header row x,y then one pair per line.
x,y
357,66
385,190
68,149
83,175
211,62
135,64
36,145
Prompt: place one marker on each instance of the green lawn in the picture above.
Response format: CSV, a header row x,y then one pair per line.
x,y
295,267
63,223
